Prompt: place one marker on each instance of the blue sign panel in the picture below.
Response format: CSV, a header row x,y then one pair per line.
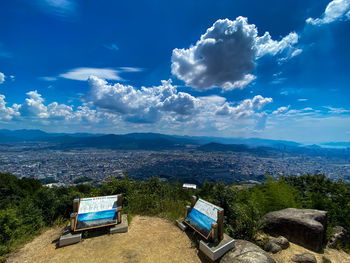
x,y
96,212
202,215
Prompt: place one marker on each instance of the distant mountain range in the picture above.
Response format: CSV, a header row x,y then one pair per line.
x,y
155,141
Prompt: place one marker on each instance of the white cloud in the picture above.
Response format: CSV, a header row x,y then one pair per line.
x,y
34,106
336,110
302,100
182,103
266,45
225,55
245,109
47,78
34,109
281,110
7,113
130,69
140,105
2,77
239,84
335,10
83,74
59,111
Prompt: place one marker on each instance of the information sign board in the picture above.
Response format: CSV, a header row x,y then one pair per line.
x,y
96,212
202,215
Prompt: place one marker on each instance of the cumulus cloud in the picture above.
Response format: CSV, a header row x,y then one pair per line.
x,y
181,103
7,113
335,10
59,111
2,77
266,45
225,55
34,106
83,74
140,105
246,108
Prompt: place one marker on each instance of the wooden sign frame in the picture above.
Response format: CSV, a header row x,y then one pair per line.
x,y
76,207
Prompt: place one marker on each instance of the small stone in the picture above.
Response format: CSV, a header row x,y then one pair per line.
x,y
272,247
281,241
304,258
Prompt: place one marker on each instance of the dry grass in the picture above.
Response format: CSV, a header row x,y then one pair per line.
x,y
334,255
149,240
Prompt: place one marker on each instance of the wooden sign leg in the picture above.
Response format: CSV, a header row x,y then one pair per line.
x,y
73,217
194,200
188,210
220,225
214,232
119,216
75,205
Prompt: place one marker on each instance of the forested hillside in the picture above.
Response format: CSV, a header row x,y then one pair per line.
x,y
26,207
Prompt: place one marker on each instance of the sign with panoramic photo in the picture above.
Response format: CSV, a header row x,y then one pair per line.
x,y
96,212
202,215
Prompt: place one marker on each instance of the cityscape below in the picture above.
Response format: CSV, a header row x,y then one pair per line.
x,y
64,160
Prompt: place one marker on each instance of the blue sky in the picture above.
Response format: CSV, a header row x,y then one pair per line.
x,y
269,69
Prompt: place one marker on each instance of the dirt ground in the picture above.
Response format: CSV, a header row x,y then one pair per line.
x,y
334,255
149,239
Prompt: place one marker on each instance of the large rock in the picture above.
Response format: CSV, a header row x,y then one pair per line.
x,y
338,236
305,227
246,252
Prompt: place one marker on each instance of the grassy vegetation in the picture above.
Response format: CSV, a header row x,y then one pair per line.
x,y
26,207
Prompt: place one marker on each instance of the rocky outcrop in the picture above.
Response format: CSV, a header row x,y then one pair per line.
x,y
305,227
245,252
276,244
304,258
338,236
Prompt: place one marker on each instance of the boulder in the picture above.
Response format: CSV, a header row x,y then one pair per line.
x,y
246,252
338,236
304,227
276,244
304,258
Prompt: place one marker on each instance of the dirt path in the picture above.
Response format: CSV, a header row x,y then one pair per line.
x,y
149,239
